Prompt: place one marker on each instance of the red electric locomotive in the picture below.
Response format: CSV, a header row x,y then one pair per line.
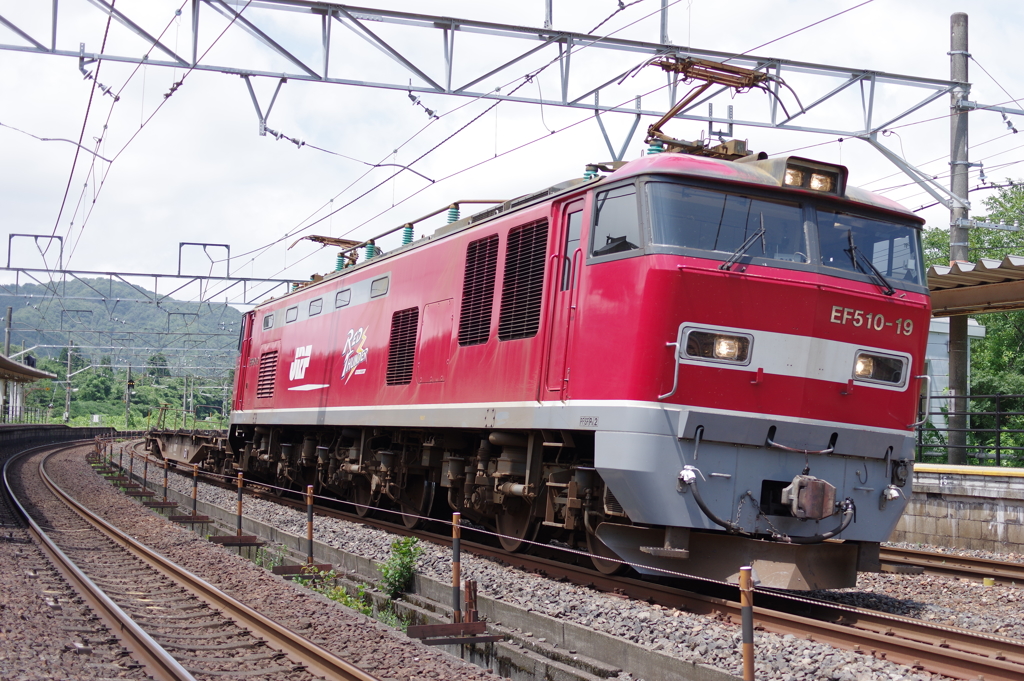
x,y
690,364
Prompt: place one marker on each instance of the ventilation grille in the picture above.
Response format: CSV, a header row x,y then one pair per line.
x,y
478,291
523,200
402,346
523,284
268,374
612,505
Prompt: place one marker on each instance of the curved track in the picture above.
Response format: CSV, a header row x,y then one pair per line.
x,y
178,625
947,650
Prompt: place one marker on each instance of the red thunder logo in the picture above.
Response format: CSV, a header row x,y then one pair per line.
x,y
354,353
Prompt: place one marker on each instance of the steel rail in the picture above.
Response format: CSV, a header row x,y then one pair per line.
x,y
936,648
944,564
157,661
316,659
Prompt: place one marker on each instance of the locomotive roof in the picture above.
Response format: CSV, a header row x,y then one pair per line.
x,y
751,170
754,171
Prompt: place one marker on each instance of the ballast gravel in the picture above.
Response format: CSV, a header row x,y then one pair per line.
x,y
686,636
366,643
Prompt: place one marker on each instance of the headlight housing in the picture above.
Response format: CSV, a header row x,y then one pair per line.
x,y
877,368
715,346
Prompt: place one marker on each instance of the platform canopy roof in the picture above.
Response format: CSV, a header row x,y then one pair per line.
x,y
21,373
977,288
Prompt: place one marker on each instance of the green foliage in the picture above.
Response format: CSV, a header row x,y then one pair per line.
x,y
268,559
325,583
397,571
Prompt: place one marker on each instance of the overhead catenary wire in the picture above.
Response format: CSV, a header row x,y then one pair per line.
x,y
522,80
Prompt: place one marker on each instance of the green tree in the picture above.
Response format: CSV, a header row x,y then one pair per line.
x,y
158,366
997,361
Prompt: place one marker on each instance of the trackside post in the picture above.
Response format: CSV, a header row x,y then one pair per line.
x,y
747,609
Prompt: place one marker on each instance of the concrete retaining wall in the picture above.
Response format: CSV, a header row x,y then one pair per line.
x,y
966,507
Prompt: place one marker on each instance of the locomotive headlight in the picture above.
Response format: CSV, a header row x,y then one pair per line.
x,y
716,347
794,177
823,182
727,347
865,366
878,368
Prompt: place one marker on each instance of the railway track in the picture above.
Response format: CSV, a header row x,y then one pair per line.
x,y
177,625
947,565
936,648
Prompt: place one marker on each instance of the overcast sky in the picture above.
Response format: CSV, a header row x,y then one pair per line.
x,y
198,171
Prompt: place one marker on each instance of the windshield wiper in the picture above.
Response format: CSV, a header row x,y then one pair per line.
x,y
738,253
855,252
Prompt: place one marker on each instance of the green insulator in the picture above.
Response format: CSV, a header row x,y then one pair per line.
x,y
590,173
453,214
295,286
655,147
340,263
407,235
371,250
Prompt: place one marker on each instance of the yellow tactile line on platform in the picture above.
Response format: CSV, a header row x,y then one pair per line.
x,y
969,470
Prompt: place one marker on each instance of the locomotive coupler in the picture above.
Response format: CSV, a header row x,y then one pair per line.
x,y
810,497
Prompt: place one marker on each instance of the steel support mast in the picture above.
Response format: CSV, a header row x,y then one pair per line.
x,y
959,166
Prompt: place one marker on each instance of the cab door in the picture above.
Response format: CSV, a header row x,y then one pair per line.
x,y
244,349
567,267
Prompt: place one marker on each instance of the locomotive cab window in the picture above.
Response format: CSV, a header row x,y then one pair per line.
x,y
692,217
291,314
379,287
268,321
343,298
870,247
616,222
315,306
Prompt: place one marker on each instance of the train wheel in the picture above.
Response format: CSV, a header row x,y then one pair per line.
x,y
420,494
517,527
362,497
598,549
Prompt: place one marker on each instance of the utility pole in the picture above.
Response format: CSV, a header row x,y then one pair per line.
x,y
959,166
7,353
129,385
184,402
67,387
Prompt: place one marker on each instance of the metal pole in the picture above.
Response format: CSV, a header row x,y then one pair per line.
x,y
456,567
747,609
165,481
238,525
309,523
120,460
131,466
195,486
664,22
145,471
958,250
67,388
7,353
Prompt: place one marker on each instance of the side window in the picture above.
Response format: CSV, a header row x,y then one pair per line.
x,y
291,314
616,225
572,241
268,321
343,298
379,287
315,306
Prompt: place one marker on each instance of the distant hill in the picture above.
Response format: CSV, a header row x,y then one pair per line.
x,y
102,319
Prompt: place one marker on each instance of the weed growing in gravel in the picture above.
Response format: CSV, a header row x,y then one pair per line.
x,y
397,571
268,560
324,583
